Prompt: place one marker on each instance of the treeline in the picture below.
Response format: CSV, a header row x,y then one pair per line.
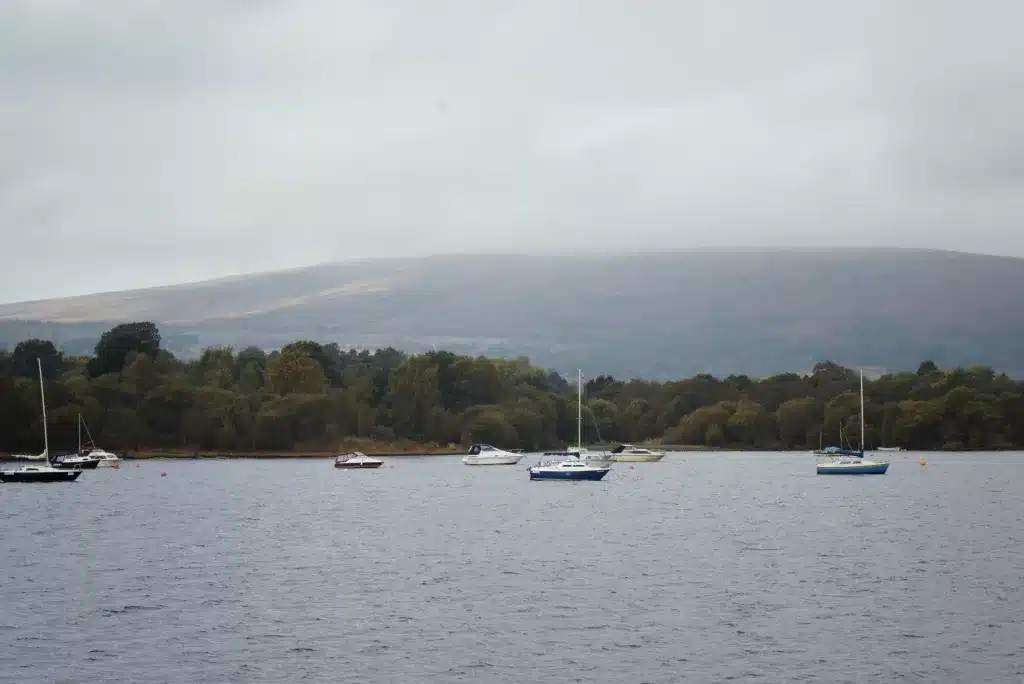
x,y
136,396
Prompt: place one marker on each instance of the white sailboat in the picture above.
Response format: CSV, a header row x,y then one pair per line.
x,y
106,458
574,467
41,473
836,461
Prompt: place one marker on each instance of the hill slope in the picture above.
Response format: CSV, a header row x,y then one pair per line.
x,y
648,315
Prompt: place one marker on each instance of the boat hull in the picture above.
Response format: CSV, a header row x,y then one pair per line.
x,y
568,475
91,464
639,458
357,466
109,463
50,476
858,469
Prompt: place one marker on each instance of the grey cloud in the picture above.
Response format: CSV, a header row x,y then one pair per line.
x,y
167,141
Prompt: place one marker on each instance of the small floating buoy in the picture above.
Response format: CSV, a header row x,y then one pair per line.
x,y
632,467
136,465
922,461
163,474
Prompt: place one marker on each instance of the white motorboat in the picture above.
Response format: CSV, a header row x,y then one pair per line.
x,y
628,453
837,461
894,449
107,458
485,454
41,473
357,459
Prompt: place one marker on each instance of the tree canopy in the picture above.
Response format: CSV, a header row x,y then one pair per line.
x,y
134,395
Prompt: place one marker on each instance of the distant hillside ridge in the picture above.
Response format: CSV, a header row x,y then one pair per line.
x,y
652,315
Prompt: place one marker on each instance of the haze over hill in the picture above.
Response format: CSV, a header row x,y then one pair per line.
x,y
663,315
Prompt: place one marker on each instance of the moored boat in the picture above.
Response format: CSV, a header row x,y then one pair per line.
x,y
485,454
852,465
579,464
78,461
89,449
41,473
357,459
627,453
848,462
569,469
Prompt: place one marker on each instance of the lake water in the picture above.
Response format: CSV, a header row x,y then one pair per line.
x,y
701,568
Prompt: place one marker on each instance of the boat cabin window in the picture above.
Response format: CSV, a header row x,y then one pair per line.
x,y
474,450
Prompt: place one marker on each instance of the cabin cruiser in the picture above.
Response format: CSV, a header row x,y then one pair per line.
x,y
485,454
629,453
357,459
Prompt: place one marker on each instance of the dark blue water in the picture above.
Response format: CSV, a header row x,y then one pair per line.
x,y
702,568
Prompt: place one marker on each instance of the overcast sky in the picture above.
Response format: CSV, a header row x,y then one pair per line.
x,y
146,142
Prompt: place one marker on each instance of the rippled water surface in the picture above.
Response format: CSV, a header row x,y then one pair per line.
x,y
702,568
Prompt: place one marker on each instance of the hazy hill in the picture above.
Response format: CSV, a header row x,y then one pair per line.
x,y
652,315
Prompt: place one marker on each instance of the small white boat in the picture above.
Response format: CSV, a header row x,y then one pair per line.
x,y
357,459
895,448
485,454
107,458
627,453
836,461
41,473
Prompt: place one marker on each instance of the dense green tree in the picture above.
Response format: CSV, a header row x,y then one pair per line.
x,y
800,422
23,359
117,343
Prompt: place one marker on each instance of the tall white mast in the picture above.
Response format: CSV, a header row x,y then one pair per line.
x,y
862,412
579,409
42,395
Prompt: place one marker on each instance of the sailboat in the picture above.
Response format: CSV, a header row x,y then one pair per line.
x,y
840,461
572,467
84,459
90,450
41,473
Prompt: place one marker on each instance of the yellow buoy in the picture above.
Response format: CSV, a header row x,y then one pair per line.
x,y
922,461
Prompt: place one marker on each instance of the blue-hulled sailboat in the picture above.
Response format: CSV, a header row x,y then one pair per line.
x,y
838,461
573,467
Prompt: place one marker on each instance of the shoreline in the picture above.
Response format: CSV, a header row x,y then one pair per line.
x,y
420,451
